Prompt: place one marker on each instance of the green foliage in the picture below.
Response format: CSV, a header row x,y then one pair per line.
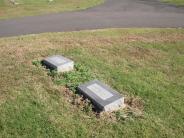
x,y
36,63
121,115
53,73
74,78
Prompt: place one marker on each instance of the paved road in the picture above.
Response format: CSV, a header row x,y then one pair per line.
x,y
111,14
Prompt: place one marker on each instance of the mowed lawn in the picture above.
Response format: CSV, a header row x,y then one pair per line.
x,y
143,63
37,7
176,2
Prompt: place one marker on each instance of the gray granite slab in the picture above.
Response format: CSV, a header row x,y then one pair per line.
x,y
58,63
102,96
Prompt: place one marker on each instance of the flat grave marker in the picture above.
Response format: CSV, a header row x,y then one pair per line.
x,y
102,96
58,63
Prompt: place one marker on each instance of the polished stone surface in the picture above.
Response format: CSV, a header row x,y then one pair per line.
x,y
58,63
102,96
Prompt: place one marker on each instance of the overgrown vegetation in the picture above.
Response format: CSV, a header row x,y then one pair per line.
x,y
144,63
72,79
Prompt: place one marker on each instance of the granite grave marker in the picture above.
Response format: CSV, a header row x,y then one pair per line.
x,y
59,63
102,96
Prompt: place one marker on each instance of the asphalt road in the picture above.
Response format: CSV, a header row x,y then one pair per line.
x,y
111,14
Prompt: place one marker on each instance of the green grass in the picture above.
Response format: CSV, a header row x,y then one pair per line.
x,y
144,63
37,7
1,2
176,2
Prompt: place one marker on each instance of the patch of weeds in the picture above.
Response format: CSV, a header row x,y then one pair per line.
x,y
53,74
133,109
36,63
128,113
121,115
81,74
72,79
82,103
116,116
88,108
135,102
79,101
